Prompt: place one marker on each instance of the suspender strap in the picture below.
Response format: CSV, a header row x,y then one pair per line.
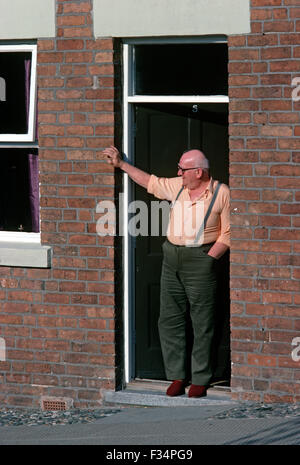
x,y
178,194
207,213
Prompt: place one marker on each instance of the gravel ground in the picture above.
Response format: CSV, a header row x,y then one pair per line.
x,y
31,417
260,410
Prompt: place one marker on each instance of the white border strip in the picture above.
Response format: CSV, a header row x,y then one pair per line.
x,y
30,135
178,99
126,148
20,237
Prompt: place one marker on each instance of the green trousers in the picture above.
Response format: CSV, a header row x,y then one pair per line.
x,y
188,284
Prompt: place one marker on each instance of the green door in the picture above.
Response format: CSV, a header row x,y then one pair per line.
x,y
163,132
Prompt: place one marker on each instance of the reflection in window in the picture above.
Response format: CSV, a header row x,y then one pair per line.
x,y
19,205
15,71
181,69
19,185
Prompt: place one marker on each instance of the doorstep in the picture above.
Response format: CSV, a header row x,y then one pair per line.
x,y
150,393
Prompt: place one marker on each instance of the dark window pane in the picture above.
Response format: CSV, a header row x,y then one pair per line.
x,y
15,211
13,106
181,69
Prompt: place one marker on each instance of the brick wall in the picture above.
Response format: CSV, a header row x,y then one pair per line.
x,y
264,181
59,323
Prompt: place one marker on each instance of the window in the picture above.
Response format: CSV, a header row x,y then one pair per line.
x,y
182,69
19,188
17,93
19,185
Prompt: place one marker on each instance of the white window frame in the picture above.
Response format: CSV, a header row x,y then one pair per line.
x,y
24,249
129,99
30,135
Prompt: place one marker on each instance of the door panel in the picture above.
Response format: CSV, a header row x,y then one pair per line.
x,y
163,132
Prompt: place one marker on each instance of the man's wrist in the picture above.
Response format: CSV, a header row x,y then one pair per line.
x,y
121,165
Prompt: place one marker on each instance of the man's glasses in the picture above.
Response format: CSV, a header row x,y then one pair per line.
x,y
187,169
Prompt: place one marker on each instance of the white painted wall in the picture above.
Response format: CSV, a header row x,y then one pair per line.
x,y
27,19
142,18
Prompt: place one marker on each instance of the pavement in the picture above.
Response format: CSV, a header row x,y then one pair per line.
x,y
146,428
160,426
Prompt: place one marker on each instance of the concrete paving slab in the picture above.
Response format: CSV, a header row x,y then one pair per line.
x,y
161,426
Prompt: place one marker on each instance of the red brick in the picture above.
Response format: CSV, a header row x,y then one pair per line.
x,y
271,79
262,360
243,130
287,183
79,82
45,44
290,208
48,57
262,40
263,207
78,57
69,44
278,26
242,92
104,57
295,12
277,297
236,41
261,14
80,130
285,170
70,20
76,32
284,66
267,3
279,131
289,39
239,68
274,53
68,142
267,92
69,94
261,143
281,13
75,7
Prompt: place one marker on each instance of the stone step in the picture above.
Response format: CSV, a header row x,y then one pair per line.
x,y
152,394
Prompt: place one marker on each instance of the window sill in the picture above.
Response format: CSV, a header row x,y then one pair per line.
x,y
31,255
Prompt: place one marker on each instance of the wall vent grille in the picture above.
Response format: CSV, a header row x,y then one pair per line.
x,y
54,405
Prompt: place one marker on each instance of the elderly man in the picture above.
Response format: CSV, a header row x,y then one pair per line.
x,y
198,235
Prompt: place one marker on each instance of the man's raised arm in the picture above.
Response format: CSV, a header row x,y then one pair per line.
x,y
114,158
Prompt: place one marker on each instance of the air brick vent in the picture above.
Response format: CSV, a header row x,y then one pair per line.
x,y
56,403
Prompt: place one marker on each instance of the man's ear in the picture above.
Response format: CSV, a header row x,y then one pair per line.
x,y
199,173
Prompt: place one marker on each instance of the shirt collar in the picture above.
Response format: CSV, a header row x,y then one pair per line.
x,y
208,189
210,186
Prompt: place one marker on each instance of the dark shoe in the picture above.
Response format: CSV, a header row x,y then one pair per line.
x,y
177,388
197,391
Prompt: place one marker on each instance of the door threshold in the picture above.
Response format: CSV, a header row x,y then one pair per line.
x,y
161,385
152,393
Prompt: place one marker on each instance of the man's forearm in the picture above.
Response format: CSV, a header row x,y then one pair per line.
x,y
140,177
218,249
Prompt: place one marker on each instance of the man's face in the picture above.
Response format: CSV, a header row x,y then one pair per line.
x,y
189,172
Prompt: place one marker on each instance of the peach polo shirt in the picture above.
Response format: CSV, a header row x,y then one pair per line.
x,y
186,216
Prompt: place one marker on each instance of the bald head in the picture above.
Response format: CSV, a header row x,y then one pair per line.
x,y
195,158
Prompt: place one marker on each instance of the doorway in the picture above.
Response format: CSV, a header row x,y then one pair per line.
x,y
158,129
